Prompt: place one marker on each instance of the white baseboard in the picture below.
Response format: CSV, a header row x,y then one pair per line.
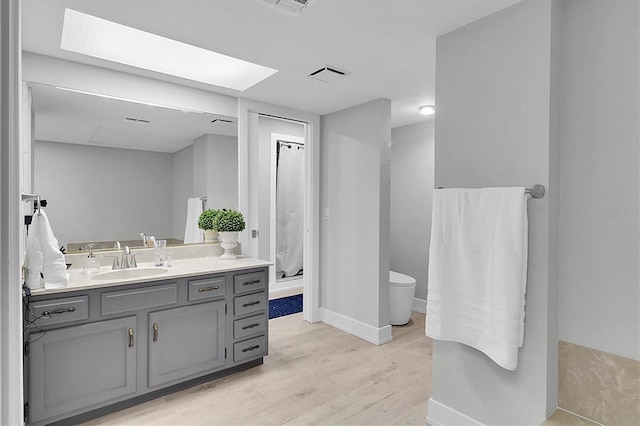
x,y
419,305
377,336
285,285
443,415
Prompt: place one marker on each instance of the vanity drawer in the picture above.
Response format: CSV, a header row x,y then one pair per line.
x,y
58,311
250,348
116,302
245,283
206,289
249,303
248,326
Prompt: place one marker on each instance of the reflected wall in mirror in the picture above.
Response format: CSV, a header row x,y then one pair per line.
x,y
111,169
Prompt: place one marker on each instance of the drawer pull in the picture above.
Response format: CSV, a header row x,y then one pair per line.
x,y
251,348
255,324
256,302
131,337
251,282
155,331
58,311
203,289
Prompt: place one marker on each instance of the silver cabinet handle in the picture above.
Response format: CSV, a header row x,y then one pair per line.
x,y
251,282
58,311
155,332
246,327
257,302
251,348
203,289
131,337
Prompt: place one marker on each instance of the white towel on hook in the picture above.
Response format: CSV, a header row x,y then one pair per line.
x,y
33,258
54,268
478,270
193,234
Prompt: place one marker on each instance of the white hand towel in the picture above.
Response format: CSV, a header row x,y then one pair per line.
x,y
54,268
33,258
478,270
193,234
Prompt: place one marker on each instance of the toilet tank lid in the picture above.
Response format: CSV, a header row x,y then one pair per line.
x,y
400,279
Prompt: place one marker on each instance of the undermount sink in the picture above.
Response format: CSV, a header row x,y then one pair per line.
x,y
120,274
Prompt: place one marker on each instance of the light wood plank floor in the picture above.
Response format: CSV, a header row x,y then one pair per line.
x,y
314,375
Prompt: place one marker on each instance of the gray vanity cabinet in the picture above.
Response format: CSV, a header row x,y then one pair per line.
x,y
92,350
185,341
79,366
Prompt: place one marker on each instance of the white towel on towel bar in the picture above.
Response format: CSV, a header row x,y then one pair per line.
x,y
193,234
478,270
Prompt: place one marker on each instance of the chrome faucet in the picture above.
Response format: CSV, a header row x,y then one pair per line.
x,y
128,259
126,253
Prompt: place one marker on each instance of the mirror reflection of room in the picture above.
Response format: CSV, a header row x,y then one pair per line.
x,y
113,170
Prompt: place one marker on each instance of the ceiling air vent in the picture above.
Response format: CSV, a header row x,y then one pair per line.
x,y
291,6
328,74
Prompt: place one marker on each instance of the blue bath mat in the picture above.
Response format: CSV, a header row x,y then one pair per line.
x,y
285,306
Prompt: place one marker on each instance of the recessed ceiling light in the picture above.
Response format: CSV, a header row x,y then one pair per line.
x,y
89,35
427,109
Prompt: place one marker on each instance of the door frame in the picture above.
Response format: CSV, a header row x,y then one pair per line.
x,y
273,217
11,389
248,190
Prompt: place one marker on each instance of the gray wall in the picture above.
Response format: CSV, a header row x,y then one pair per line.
x,y
493,129
412,165
267,126
222,180
182,163
98,194
355,176
599,221
104,194
215,170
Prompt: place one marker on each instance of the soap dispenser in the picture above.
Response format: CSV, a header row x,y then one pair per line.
x,y
91,264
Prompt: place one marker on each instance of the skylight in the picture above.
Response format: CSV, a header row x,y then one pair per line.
x,y
88,35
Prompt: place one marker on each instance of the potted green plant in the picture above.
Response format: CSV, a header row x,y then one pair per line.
x,y
228,223
206,222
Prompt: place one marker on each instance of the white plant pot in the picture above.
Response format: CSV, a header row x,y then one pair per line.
x,y
228,241
210,236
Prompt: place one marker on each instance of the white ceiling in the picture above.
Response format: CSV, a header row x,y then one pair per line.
x,y
387,46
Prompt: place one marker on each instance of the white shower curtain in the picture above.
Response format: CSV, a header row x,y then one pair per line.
x,y
289,209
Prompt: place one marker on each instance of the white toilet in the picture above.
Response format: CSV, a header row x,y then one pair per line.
x,y
402,290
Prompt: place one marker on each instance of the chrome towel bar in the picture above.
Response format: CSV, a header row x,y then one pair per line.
x,y
536,191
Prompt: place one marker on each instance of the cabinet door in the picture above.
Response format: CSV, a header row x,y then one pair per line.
x,y
77,367
185,341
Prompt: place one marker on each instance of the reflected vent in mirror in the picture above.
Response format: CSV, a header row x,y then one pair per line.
x,y
136,120
220,120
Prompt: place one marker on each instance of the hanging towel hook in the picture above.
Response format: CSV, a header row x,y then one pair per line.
x,y
31,197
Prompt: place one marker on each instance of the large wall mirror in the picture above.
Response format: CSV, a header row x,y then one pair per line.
x,y
111,169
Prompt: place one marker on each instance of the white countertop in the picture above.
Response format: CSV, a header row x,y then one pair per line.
x,y
179,268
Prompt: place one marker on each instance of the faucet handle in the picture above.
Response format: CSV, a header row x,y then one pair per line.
x,y
116,264
134,264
